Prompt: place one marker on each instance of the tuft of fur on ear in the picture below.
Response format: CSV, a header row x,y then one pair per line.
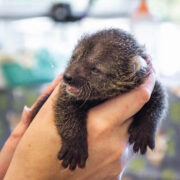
x,y
139,63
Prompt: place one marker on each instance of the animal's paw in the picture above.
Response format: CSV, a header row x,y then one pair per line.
x,y
141,138
73,154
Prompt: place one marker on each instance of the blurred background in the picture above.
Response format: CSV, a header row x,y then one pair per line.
x,y
37,38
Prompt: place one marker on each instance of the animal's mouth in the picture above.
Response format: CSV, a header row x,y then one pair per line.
x,y
72,90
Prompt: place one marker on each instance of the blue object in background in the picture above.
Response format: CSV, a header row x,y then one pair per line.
x,y
44,71
5,104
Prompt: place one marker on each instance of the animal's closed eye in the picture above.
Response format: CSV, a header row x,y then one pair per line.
x,y
73,57
95,70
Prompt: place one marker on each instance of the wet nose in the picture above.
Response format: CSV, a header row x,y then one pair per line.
x,y
67,78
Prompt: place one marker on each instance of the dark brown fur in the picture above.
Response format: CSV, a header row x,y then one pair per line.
x,y
102,67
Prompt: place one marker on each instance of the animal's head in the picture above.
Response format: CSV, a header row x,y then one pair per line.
x,y
104,64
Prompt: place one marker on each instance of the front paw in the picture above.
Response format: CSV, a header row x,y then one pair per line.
x,y
141,138
73,154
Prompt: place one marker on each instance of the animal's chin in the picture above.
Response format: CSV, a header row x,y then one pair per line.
x,y
73,91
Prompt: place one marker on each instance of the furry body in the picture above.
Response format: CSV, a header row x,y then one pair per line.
x,y
104,65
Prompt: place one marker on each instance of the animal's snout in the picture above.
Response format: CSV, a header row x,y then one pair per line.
x,y
73,78
67,78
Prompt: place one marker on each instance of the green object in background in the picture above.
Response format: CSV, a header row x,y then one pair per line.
x,y
1,129
169,174
137,165
16,75
30,97
170,133
175,112
3,101
18,104
171,148
171,143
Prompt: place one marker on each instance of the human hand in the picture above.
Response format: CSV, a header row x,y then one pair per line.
x,y
10,145
107,124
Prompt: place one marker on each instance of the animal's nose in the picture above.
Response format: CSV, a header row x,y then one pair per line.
x,y
67,78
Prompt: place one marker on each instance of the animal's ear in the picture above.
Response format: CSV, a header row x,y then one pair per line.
x,y
138,63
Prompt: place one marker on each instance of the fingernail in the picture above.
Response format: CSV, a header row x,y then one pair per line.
x,y
26,108
26,115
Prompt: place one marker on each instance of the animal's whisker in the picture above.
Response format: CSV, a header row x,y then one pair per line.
x,y
86,97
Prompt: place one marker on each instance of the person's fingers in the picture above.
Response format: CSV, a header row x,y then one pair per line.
x,y
27,113
23,124
148,86
18,132
9,147
121,108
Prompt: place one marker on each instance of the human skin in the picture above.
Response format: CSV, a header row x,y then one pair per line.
x,y
10,145
107,124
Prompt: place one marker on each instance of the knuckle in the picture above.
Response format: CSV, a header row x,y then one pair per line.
x,y
15,135
100,128
96,124
116,154
144,95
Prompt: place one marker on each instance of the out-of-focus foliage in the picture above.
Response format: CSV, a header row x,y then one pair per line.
x,y
164,162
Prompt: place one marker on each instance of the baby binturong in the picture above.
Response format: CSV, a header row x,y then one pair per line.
x,y
104,65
